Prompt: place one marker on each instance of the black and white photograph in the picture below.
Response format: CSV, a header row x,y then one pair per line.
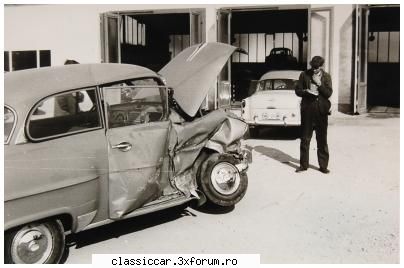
x,y
212,132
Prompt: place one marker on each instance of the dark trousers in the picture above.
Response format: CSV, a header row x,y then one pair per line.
x,y
311,119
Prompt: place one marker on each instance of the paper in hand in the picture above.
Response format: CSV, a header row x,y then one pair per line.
x,y
314,93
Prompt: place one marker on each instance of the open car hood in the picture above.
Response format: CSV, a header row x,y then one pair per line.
x,y
192,73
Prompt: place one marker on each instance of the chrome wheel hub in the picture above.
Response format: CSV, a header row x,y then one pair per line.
x,y
225,178
32,244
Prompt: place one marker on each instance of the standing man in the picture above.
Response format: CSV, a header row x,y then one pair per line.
x,y
314,86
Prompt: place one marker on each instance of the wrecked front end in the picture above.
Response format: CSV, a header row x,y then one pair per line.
x,y
205,151
191,143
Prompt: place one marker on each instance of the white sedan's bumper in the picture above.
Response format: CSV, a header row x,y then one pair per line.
x,y
284,117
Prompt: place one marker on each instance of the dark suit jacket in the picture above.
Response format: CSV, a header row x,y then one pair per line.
x,y
325,91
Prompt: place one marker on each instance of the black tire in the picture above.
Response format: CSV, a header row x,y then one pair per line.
x,y
48,248
222,197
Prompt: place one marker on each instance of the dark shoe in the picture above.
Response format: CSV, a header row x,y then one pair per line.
x,y
324,170
300,169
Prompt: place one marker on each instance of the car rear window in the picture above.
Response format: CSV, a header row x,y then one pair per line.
x,y
9,121
277,84
62,114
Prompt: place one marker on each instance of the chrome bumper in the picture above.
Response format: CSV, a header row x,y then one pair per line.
x,y
246,158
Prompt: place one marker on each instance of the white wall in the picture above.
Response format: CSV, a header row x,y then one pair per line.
x,y
68,31
73,32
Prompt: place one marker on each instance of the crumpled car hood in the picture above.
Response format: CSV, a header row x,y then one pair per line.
x,y
219,131
192,73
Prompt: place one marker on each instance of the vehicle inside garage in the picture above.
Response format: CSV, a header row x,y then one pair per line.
x,y
258,32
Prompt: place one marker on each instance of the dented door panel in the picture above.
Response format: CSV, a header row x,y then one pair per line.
x,y
135,175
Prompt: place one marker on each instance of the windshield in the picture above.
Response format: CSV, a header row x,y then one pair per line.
x,y
281,52
9,119
277,84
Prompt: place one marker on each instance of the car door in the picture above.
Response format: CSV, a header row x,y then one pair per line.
x,y
137,133
57,163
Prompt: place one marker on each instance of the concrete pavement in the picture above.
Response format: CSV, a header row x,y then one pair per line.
x,y
348,216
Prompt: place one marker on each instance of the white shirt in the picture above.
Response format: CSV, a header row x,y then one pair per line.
x,y
313,86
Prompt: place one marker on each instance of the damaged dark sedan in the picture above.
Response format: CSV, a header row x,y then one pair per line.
x,y
90,144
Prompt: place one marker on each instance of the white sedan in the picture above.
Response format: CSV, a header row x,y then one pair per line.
x,y
274,103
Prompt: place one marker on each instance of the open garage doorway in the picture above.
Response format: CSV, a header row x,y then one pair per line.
x,y
262,33
149,38
383,76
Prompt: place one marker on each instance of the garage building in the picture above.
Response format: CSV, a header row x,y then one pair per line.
x,y
360,45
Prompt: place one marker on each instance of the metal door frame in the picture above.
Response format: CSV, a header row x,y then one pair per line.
x,y
358,57
331,37
104,35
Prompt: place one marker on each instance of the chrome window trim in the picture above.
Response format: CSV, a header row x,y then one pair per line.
x,y
14,124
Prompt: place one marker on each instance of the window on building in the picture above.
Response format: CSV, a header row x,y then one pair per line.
x,y
6,62
23,60
64,114
384,47
133,32
178,42
44,58
26,59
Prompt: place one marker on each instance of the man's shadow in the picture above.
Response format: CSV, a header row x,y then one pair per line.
x,y
280,156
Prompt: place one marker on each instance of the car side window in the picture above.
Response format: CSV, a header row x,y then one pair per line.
x,y
260,85
9,122
137,102
62,114
282,84
268,85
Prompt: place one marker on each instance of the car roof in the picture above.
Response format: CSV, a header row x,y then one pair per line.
x,y
280,48
27,86
284,74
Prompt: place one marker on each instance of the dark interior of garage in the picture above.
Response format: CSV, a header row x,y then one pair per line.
x,y
151,40
383,57
258,32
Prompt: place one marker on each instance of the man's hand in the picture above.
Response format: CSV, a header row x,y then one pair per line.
x,y
311,92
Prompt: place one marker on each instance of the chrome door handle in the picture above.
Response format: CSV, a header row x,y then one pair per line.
x,y
123,146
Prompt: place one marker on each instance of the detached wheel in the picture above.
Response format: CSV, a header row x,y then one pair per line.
x,y
38,243
221,181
